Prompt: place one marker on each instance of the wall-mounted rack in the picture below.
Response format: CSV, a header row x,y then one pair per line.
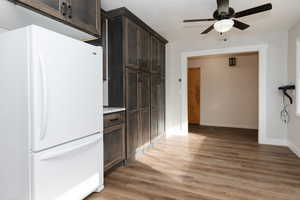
x,y
285,88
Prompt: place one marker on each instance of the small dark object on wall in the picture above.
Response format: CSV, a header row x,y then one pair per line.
x,y
285,88
232,61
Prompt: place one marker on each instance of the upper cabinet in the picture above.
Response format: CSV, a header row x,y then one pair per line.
x,y
131,43
144,49
157,51
84,15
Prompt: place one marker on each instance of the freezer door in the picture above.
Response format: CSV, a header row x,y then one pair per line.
x,y
71,171
66,89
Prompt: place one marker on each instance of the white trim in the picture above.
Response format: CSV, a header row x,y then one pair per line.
x,y
294,148
276,142
298,77
263,65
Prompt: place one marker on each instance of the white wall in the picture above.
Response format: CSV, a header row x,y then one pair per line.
x,y
294,125
276,76
2,30
229,95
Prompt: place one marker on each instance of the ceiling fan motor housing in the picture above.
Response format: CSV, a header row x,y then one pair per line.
x,y
224,15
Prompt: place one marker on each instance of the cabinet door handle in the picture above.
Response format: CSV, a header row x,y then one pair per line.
x,y
70,11
114,120
63,8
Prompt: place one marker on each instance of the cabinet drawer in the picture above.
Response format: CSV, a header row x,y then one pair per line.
x,y
114,146
113,119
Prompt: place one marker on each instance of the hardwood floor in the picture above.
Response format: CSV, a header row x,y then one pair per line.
x,y
208,164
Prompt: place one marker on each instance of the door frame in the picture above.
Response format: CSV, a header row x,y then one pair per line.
x,y
263,67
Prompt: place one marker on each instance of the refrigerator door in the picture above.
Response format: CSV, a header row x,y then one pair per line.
x,y
71,171
66,89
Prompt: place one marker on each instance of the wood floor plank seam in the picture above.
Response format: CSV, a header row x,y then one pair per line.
x,y
207,164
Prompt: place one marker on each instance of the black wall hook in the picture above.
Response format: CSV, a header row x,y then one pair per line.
x,y
284,90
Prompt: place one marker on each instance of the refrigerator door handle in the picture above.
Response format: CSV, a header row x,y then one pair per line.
x,y
44,99
57,154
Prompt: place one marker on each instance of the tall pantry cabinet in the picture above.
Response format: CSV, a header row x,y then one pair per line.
x,y
136,78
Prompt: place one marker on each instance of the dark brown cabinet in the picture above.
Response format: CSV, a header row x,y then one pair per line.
x,y
132,131
161,108
144,90
155,55
144,108
163,59
156,106
114,146
144,129
154,124
132,89
144,50
114,139
84,15
135,61
131,43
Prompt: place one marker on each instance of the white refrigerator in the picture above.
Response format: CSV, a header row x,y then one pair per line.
x,y
51,116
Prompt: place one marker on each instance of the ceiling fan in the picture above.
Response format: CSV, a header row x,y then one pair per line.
x,y
226,17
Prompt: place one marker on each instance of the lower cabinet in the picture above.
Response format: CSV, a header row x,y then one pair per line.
x,y
144,129
114,140
132,122
154,124
161,108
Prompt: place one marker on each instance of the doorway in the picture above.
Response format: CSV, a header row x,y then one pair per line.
x,y
194,80
226,90
262,74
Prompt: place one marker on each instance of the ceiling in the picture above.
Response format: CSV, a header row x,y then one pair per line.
x,y
165,16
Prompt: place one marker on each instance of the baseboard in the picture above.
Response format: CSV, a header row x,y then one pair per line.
x,y
294,148
229,125
275,142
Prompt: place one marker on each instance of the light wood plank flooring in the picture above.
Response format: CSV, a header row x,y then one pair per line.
x,y
208,164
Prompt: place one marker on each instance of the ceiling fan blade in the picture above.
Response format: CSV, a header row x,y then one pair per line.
x,y
208,30
223,6
255,10
240,25
198,20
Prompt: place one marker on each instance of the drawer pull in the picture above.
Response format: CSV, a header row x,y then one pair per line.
x,y
114,120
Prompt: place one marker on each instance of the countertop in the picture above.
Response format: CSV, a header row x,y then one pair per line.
x,y
109,110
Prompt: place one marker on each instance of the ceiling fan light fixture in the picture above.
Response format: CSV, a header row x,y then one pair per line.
x,y
224,25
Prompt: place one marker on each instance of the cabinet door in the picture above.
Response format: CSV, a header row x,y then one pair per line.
x,y
132,132
163,59
155,87
144,133
56,8
131,89
85,15
154,124
114,146
131,44
144,50
161,108
154,55
155,101
144,90
144,107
